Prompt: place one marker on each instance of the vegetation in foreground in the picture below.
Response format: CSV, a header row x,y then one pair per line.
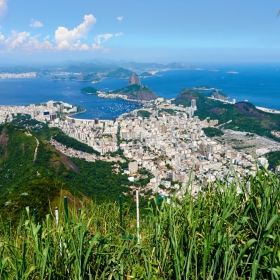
x,y
220,234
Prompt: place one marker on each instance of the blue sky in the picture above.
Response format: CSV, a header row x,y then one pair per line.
x,y
140,30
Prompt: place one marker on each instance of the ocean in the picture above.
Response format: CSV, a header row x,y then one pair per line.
x,y
259,84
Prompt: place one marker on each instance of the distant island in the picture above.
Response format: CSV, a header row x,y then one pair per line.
x,y
56,78
232,72
204,88
89,90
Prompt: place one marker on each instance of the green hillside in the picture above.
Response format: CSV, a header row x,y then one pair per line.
x,y
34,176
212,131
28,176
242,116
136,92
42,130
89,90
119,73
146,74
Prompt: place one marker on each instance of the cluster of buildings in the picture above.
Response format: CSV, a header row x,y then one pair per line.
x,y
70,152
18,75
42,112
276,133
223,100
168,141
176,151
98,134
170,144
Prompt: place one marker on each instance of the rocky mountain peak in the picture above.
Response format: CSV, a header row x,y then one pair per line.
x,y
134,80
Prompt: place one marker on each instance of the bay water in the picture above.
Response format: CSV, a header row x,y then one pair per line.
x,y
259,84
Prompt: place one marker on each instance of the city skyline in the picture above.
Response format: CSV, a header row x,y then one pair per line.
x,y
187,31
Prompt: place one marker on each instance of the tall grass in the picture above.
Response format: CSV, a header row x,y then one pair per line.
x,y
221,234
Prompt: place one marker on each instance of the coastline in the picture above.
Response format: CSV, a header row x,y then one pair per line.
x,y
119,96
17,94
73,114
267,110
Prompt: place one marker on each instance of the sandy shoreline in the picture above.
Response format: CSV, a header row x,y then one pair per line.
x,y
267,110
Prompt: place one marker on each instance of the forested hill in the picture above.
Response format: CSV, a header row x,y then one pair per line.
x,y
32,173
242,116
120,73
28,171
136,92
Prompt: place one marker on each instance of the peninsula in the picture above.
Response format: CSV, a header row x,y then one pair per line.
x,y
135,91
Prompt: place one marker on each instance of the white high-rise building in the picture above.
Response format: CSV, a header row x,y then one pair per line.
x,y
133,167
193,103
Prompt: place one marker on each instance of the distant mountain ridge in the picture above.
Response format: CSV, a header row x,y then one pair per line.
x,y
119,73
97,70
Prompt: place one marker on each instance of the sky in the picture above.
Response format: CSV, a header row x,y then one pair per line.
x,y
194,31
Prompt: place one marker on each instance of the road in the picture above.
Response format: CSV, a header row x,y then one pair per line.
x,y
36,149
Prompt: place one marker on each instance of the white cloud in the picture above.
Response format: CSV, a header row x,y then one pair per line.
x,y
97,47
63,45
64,39
120,18
62,34
99,39
78,46
16,39
3,6
84,47
23,41
103,38
37,36
34,44
2,38
119,34
36,23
